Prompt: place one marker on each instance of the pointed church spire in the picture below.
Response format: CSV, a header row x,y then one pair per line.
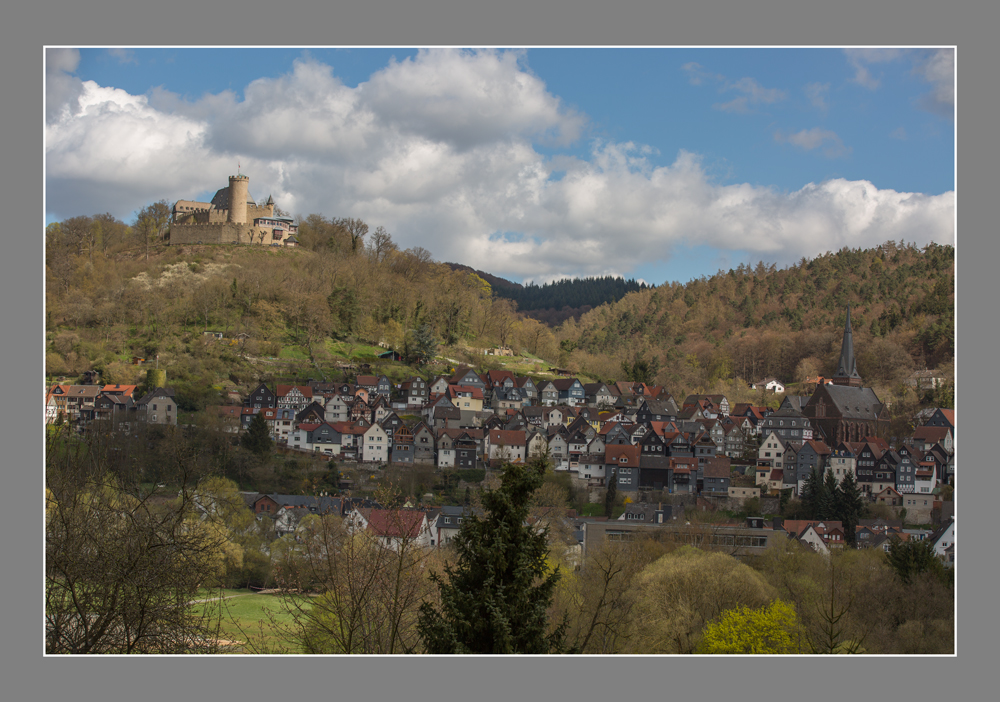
x,y
847,369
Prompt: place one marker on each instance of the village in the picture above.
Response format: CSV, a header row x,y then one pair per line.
x,y
636,439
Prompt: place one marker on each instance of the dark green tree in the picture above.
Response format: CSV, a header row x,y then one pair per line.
x,y
811,491
423,347
849,505
611,494
495,598
827,503
910,558
258,437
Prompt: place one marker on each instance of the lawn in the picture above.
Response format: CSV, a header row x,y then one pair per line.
x,y
248,616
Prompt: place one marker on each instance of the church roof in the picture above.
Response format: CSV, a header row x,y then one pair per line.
x,y
853,402
847,365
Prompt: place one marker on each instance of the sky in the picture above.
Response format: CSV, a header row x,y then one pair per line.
x,y
659,164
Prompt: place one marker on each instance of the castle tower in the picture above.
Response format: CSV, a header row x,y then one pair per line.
x,y
847,369
239,186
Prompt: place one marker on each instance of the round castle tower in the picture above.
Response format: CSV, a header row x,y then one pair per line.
x,y
238,194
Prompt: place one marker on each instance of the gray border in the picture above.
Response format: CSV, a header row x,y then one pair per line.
x,y
453,22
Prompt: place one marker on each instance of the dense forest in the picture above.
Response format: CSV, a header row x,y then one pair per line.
x,y
115,291
748,323
557,301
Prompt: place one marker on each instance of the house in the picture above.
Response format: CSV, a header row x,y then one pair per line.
x,y
684,474
261,397
415,391
598,394
571,392
466,397
402,445
789,424
772,384
295,397
715,479
375,446
400,528
157,407
944,543
506,445
423,444
449,522
624,460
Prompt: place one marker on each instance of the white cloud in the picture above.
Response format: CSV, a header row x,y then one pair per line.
x,y
123,55
753,94
898,133
61,87
809,139
380,152
859,58
817,92
938,68
935,66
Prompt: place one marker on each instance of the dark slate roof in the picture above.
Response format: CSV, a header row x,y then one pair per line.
x,y
855,402
221,199
846,365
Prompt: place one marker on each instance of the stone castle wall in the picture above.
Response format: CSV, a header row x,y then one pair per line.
x,y
218,233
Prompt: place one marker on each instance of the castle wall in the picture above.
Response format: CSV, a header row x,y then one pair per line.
x,y
219,233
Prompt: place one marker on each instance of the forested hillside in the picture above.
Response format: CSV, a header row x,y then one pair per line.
x,y
556,302
750,323
114,292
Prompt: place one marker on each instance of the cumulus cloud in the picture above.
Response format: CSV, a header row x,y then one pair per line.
x,y
61,86
441,151
809,139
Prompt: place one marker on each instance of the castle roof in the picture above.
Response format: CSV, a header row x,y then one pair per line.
x,y
221,199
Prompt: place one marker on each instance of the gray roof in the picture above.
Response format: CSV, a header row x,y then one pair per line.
x,y
221,199
854,402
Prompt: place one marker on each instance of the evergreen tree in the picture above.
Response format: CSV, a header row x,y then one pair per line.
x,y
910,558
827,507
849,505
811,492
495,598
611,494
258,437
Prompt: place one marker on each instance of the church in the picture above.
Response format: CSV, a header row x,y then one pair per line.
x,y
844,410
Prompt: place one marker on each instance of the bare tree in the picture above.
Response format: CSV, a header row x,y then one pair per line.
x,y
121,574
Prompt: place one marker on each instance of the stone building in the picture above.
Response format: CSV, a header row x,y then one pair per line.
x,y
844,410
232,217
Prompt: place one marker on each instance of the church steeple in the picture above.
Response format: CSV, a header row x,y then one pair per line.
x,y
847,369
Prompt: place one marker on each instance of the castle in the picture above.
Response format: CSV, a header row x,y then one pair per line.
x,y
232,217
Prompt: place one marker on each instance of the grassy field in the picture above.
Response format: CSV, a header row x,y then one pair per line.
x,y
254,622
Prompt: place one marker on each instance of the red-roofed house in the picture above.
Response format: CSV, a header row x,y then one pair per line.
x,y
399,527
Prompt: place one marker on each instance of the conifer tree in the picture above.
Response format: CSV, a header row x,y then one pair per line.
x,y
828,497
849,505
810,493
495,598
611,494
258,437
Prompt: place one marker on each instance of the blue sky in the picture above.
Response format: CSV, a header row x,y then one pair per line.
x,y
660,163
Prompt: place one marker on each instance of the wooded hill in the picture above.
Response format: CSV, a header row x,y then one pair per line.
x,y
112,296
556,302
749,323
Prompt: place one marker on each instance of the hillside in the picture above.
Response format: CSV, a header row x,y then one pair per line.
x,y
556,302
752,323
287,313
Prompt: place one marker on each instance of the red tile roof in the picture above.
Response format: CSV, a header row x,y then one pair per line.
x,y
395,523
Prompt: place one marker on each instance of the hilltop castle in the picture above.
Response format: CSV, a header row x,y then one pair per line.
x,y
232,217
